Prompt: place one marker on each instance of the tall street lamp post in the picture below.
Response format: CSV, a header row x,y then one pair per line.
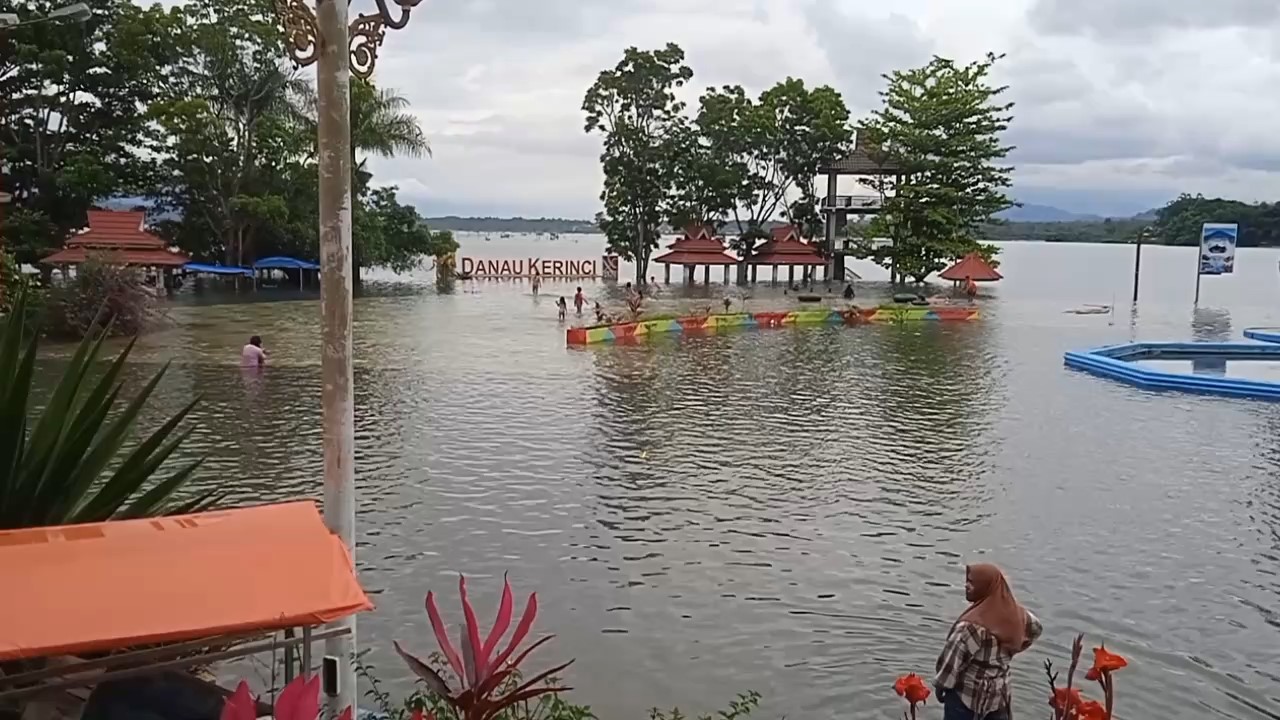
x,y
323,37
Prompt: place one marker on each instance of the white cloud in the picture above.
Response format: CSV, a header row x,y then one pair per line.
x,y
1117,100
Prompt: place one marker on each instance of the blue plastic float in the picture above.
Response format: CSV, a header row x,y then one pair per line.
x,y
1119,362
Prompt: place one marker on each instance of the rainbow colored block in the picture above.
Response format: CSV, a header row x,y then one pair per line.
x,y
634,331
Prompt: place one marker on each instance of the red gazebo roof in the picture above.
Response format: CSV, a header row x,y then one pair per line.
x,y
786,248
697,246
974,267
120,237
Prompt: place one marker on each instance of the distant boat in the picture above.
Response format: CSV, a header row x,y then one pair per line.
x,y
488,239
505,235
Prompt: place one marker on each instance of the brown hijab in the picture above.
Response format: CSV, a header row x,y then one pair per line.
x,y
995,607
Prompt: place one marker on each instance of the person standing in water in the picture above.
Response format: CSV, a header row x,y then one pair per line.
x,y
252,355
970,287
562,307
537,284
579,300
973,680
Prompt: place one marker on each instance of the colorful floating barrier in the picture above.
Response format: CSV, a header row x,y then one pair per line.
x,y
623,332
1119,362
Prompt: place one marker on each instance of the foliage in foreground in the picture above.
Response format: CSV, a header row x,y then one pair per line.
x,y
489,684
54,462
1067,702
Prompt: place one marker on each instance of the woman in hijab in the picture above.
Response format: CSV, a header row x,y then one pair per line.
x,y
973,669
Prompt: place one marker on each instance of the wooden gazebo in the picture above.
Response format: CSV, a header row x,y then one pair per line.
x,y
697,246
118,237
786,248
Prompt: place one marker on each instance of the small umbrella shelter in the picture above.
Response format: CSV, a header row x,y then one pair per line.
x,y
971,267
785,248
203,587
697,246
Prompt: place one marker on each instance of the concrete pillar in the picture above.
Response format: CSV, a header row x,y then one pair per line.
x,y
726,274
666,274
755,274
774,281
791,275
706,274
337,391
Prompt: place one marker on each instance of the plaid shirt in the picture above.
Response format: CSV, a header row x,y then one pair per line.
x,y
975,666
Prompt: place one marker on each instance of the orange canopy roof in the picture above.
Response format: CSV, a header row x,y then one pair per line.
x,y
786,248
118,236
972,266
102,586
698,246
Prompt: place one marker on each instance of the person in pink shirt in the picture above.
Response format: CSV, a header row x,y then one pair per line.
x,y
253,356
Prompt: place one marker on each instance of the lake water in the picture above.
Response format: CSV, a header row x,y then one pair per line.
x,y
783,510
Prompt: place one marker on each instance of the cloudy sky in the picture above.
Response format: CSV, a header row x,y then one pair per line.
x,y
1121,104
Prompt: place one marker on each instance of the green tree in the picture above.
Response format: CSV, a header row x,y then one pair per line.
x,y
394,235
941,123
380,125
232,143
770,150
73,122
634,107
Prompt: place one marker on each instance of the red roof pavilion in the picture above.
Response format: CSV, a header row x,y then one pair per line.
x,y
120,237
786,248
698,246
974,267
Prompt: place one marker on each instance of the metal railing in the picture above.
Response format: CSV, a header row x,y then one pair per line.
x,y
851,202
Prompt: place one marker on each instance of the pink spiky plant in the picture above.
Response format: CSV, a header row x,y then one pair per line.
x,y
482,673
299,700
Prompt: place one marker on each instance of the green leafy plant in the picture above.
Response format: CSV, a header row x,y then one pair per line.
x,y
54,463
741,707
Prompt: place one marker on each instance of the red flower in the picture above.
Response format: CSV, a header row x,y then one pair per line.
x,y
1104,661
1062,698
419,715
1092,710
911,687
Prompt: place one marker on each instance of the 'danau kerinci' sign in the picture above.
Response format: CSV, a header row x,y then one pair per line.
x,y
530,267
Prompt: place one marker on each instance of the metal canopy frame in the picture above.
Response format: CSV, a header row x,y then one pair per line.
x,y
178,656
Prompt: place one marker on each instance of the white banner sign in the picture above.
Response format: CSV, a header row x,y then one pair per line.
x,y
1218,248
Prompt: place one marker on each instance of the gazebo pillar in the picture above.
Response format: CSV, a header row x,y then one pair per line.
x,y
830,225
755,274
706,274
666,273
791,275
726,274
774,281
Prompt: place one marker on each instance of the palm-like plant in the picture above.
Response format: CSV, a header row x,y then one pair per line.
x,y
380,124
54,463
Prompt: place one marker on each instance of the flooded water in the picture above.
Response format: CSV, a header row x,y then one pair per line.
x,y
786,510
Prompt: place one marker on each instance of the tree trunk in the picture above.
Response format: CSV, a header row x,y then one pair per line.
x,y
638,252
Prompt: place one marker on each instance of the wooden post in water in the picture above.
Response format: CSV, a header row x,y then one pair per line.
x,y
1137,260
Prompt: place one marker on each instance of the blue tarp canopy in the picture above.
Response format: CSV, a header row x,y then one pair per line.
x,y
284,263
216,269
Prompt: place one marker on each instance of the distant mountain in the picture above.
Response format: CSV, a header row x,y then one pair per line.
x,y
1044,213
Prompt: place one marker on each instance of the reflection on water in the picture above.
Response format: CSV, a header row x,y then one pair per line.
x,y
781,510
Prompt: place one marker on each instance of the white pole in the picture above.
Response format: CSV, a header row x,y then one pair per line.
x,y
333,87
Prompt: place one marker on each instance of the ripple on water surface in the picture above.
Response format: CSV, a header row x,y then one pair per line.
x,y
786,511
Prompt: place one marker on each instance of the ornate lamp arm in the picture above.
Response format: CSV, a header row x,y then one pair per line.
x,y
365,33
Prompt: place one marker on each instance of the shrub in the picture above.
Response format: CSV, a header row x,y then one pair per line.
x,y
101,297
